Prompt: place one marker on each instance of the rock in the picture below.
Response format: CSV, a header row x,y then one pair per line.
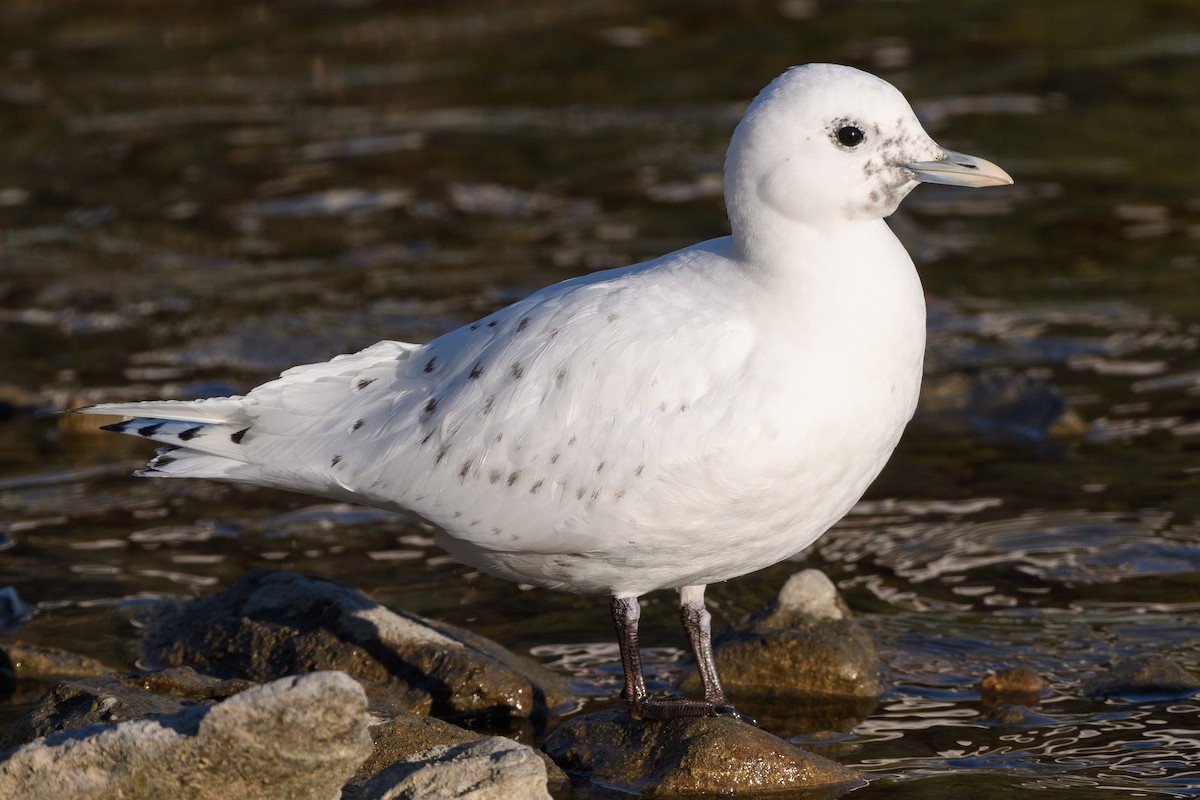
x,y
407,734
1018,685
21,662
294,739
78,702
279,623
1143,677
999,406
492,768
804,662
698,755
1015,716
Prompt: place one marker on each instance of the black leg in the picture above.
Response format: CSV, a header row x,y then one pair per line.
x,y
626,613
697,623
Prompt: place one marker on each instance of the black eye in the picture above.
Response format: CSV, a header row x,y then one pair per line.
x,y
849,136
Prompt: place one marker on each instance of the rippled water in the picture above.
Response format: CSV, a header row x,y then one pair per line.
x,y
194,196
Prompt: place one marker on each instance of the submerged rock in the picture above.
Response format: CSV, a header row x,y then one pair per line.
x,y
699,755
492,768
1017,685
293,739
1149,676
999,406
21,662
278,623
804,659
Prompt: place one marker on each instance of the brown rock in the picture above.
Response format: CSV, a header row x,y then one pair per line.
x,y
272,624
32,663
699,755
805,660
1018,685
1145,676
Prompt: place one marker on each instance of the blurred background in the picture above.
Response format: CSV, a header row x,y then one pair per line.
x,y
194,196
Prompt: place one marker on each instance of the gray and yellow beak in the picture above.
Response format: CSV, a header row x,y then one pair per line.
x,y
959,169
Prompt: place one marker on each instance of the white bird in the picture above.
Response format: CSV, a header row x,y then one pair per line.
x,y
664,425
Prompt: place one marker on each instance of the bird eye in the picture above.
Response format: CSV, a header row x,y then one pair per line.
x,y
849,136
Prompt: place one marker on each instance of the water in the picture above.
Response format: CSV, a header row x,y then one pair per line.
x,y
194,196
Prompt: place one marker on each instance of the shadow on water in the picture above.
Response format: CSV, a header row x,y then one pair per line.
x,y
195,196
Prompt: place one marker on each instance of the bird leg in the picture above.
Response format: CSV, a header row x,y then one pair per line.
x,y
626,612
697,623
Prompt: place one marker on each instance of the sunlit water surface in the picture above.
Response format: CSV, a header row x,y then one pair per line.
x,y
195,196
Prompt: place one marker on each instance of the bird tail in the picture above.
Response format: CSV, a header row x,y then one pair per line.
x,y
202,437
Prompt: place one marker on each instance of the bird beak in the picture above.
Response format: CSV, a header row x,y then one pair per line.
x,y
958,169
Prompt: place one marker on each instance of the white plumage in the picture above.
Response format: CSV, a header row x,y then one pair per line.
x,y
668,424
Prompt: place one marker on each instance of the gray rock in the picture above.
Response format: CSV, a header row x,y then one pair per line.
x,y
297,738
1143,677
278,623
406,734
699,755
804,663
492,768
89,701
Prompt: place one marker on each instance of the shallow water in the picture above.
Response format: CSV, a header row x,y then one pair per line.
x,y
195,196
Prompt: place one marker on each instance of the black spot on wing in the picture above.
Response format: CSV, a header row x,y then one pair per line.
x,y
150,430
357,424
237,437
492,324
476,371
431,406
442,453
517,371
513,477
117,427
190,433
523,324
363,383
429,365
335,461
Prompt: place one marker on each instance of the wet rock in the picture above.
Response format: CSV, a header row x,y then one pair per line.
x,y
21,662
406,735
492,768
79,702
699,755
1143,677
999,406
1016,685
805,659
1015,716
296,738
277,623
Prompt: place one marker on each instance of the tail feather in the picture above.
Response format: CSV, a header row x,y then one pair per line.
x,y
216,409
212,438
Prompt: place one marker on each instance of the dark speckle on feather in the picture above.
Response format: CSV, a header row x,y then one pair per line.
x,y
600,467
465,469
492,324
495,475
579,493
487,405
150,430
517,371
560,378
513,477
431,406
619,494
442,453
523,324
572,441
554,458
358,424
364,383
613,317
429,365
237,437
336,460
534,489
499,438
474,326
190,433
476,371
638,472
